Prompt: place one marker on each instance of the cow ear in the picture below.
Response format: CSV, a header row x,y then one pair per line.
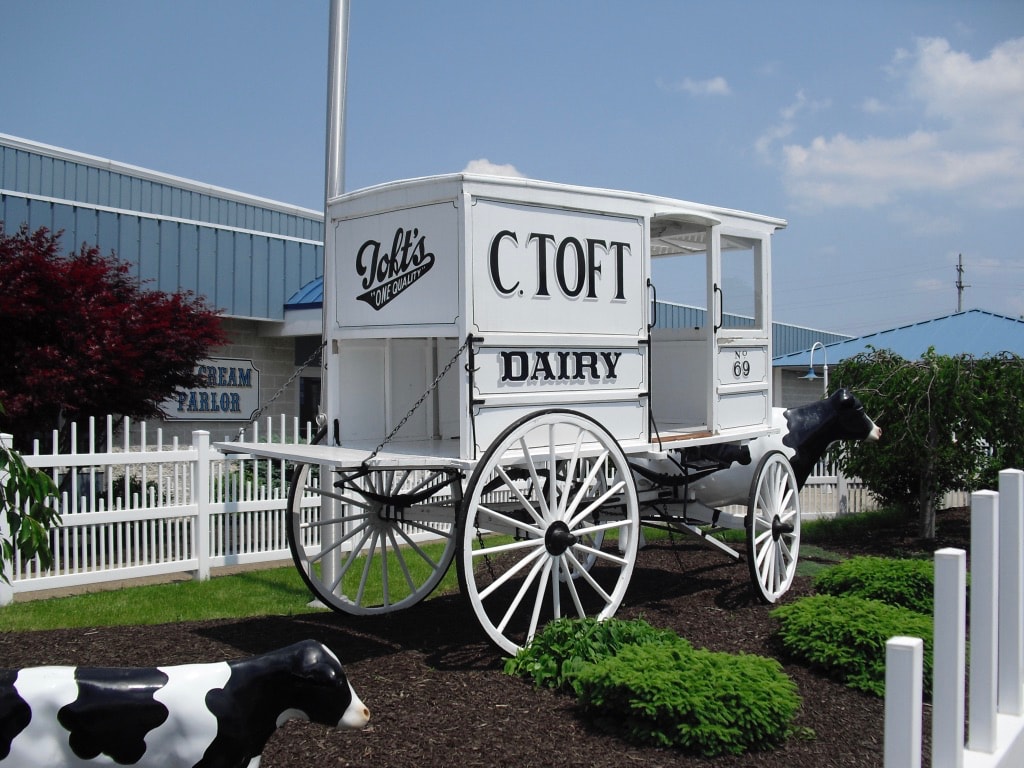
x,y
313,664
844,399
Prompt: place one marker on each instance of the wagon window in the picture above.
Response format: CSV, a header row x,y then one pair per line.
x,y
742,297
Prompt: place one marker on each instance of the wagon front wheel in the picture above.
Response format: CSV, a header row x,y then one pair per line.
x,y
372,541
549,527
773,527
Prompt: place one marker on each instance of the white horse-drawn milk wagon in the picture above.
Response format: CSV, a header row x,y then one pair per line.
x,y
497,391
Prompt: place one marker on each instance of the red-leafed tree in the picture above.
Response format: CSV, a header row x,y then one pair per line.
x,y
80,336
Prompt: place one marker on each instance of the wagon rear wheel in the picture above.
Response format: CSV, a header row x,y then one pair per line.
x,y
549,528
773,527
372,542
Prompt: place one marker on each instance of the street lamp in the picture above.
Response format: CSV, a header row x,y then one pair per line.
x,y
811,375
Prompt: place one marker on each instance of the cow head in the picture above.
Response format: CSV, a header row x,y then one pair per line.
x,y
812,428
320,690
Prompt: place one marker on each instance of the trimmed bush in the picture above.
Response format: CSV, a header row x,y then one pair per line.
x,y
845,636
557,651
697,700
653,687
907,583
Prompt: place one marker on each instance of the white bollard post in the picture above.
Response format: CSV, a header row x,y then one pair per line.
x,y
984,629
201,497
904,664
1011,592
948,658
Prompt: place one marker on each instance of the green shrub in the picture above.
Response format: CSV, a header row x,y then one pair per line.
x,y
846,636
904,582
700,701
551,658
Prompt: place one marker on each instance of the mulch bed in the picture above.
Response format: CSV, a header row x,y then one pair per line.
x,y
438,696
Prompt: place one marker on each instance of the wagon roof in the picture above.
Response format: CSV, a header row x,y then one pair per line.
x,y
681,222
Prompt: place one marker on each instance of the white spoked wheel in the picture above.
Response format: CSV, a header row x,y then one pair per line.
x,y
773,527
372,541
550,526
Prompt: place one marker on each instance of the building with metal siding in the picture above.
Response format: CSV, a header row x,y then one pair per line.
x,y
246,254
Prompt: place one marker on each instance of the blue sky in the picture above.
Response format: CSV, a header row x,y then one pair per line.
x,y
889,134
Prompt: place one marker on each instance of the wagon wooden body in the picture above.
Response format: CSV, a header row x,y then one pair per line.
x,y
497,391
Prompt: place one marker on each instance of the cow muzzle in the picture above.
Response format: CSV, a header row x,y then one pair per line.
x,y
357,715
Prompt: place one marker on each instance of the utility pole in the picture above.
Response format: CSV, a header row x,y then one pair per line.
x,y
960,283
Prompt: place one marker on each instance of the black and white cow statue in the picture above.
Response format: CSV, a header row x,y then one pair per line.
x,y
216,715
803,434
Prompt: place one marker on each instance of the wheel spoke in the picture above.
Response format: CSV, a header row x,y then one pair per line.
x,y
509,547
525,502
400,559
547,576
492,514
586,484
523,562
523,589
577,567
613,491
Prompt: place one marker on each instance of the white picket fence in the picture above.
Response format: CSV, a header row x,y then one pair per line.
x,y
139,506
995,699
132,510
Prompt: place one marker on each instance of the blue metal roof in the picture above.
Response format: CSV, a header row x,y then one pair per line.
x,y
309,296
974,332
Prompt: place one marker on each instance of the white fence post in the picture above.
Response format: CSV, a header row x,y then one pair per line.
x,y
1011,592
201,494
6,589
904,662
984,629
948,658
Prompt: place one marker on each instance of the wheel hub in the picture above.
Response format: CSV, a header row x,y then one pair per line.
x,y
558,538
779,528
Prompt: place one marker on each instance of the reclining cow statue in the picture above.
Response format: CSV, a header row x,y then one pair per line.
x,y
216,715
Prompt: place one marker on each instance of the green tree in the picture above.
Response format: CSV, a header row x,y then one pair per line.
x,y
25,496
82,337
948,423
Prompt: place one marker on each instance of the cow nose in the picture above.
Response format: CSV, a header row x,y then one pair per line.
x,y
356,714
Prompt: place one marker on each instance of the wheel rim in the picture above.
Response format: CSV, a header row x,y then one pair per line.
x,y
773,527
361,548
550,527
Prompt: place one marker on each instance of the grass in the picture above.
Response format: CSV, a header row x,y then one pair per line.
x,y
275,591
281,591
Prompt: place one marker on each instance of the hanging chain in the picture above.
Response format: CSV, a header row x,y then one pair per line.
x,y
418,403
292,378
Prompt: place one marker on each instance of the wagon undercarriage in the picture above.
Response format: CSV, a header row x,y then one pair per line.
x,y
542,526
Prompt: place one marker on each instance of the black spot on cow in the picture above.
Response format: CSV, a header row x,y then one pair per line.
x,y
114,711
15,713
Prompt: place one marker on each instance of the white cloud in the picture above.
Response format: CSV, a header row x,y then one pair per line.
x,y
973,145
485,167
873,106
765,143
715,86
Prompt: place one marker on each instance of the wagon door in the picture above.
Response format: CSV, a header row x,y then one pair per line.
x,y
742,334
711,342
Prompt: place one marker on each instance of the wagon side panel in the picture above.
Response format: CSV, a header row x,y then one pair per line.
x,y
558,299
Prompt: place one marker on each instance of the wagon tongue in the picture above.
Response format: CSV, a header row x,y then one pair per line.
x,y
558,538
